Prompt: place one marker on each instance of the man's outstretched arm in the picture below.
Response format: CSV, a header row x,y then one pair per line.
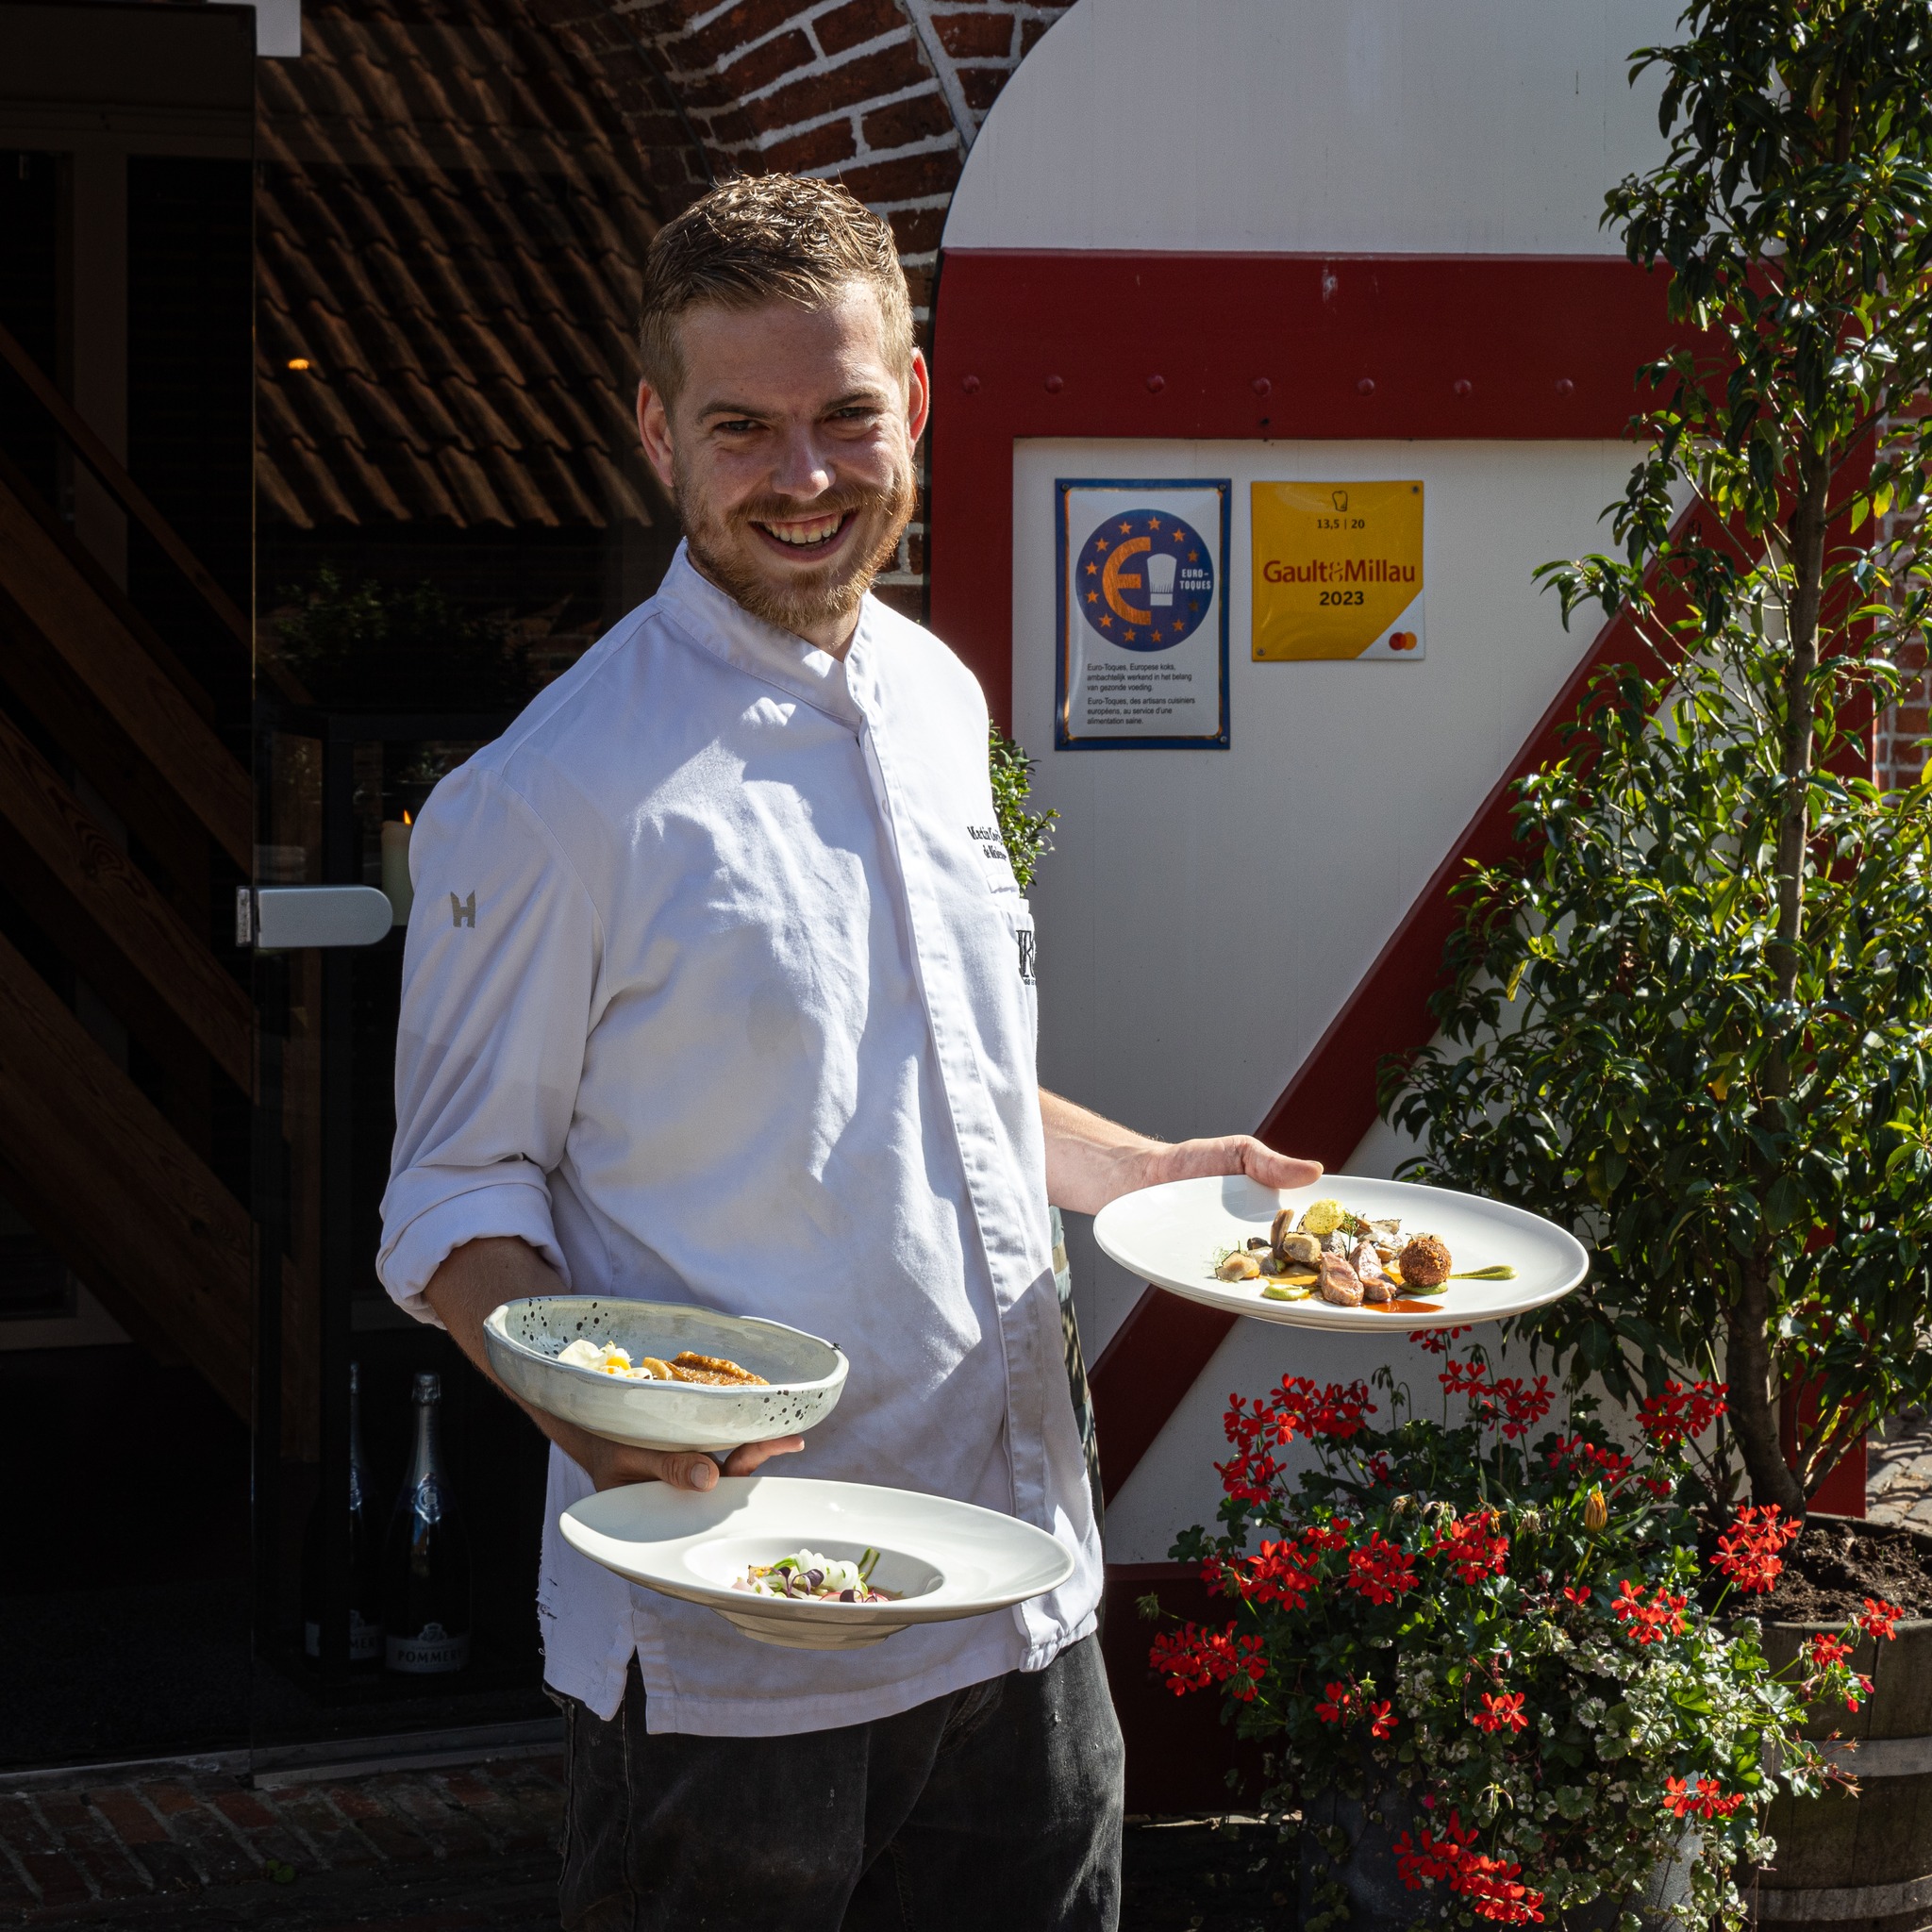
x,y
1090,1160
482,1275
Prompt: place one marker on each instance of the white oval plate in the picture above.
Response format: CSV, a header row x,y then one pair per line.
x,y
1171,1235
805,1376
943,1560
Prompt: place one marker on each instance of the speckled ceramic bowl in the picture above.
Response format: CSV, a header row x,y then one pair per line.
x,y
807,1376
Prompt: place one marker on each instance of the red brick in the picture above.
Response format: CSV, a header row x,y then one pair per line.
x,y
975,36
56,1877
213,1849
906,177
767,61
512,1824
846,26
133,1823
856,82
749,20
921,118
1030,31
452,1830
379,1825
337,1842
981,86
917,230
267,1836
90,1843
822,148
909,600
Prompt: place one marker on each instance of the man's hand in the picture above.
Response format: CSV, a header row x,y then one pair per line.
x,y
482,1276
1091,1161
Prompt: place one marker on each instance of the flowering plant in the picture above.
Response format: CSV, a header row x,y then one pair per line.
x,y
1511,1641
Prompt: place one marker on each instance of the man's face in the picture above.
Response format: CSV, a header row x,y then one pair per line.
x,y
789,453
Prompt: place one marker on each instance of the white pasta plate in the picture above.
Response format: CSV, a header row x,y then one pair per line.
x,y
1174,1233
804,1377
937,1559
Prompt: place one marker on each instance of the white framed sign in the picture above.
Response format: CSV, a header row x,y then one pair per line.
x,y
1142,627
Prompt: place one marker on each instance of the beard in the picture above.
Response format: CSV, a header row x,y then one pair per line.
x,y
726,549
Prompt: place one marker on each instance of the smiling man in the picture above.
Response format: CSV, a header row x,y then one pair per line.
x,y
742,1017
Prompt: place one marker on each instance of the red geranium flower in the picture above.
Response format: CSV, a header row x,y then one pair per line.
x,y
1500,1713
1649,1623
1706,1798
1880,1618
1381,1570
1747,1553
1680,1414
1473,1551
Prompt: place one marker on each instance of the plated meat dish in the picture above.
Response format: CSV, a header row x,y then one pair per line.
x,y
1348,1260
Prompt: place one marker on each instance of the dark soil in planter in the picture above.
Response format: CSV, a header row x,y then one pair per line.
x,y
1837,1563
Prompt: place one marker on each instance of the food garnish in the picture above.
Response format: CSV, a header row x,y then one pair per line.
x,y
1322,1217
1423,1261
688,1366
1347,1259
805,1574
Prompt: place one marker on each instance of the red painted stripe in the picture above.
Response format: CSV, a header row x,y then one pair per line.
x,y
1497,347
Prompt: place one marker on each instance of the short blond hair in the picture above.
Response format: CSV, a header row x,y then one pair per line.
x,y
767,238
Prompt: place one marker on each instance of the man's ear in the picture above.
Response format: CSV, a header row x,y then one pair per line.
x,y
653,432
918,397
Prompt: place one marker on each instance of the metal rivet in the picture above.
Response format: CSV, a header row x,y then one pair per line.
x,y
1155,384
1564,386
1262,385
1462,386
1054,384
970,385
1366,387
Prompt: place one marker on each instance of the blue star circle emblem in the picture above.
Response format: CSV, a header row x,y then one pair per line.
x,y
1144,580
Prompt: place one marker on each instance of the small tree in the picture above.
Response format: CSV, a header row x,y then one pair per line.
x,y
1692,1019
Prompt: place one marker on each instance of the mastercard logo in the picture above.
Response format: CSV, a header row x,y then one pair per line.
x,y
1402,641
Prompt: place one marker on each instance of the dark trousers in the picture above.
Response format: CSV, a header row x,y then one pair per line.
x,y
997,1806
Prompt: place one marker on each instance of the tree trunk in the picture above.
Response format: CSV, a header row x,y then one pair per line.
x,y
1753,1400
1752,1369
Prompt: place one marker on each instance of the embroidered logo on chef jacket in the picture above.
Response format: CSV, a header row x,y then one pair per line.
x,y
463,911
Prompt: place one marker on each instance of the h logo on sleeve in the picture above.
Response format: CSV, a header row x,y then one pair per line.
x,y
463,911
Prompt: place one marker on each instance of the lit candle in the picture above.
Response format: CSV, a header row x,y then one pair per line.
x,y
395,868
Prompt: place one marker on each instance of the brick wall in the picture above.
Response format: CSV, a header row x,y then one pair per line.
x,y
885,96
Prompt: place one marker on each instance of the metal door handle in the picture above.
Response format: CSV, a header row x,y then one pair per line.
x,y
285,919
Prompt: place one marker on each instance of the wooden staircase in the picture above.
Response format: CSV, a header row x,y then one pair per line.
x,y
121,1187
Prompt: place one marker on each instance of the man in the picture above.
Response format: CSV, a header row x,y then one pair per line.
x,y
728,1008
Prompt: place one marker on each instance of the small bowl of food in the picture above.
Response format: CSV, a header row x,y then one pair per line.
x,y
663,1374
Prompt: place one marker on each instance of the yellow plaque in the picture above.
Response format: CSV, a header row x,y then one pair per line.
x,y
1337,570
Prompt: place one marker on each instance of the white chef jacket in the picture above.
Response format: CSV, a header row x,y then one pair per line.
x,y
716,992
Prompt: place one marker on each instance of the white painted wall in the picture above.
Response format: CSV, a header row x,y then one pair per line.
x,y
1319,127
1205,914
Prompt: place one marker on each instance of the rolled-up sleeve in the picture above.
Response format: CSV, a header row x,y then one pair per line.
x,y
499,971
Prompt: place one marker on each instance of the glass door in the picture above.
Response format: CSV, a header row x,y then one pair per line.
x,y
450,220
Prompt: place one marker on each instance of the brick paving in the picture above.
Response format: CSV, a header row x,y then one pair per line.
x,y
468,1849
472,1849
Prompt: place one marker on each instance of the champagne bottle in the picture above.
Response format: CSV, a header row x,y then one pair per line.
x,y
426,1605
365,1582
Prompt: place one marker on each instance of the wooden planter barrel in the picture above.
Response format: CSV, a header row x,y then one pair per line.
x,y
1861,1864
